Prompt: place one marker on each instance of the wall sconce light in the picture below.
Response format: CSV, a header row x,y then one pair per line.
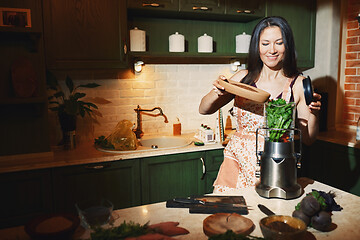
x,y
235,65
358,18
138,65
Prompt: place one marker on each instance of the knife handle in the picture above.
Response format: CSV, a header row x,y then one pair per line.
x,y
266,210
188,201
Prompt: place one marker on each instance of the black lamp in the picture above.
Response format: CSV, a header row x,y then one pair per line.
x,y
358,18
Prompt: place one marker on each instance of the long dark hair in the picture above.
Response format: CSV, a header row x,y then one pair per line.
x,y
254,62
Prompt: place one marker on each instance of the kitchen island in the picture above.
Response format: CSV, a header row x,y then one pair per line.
x,y
344,222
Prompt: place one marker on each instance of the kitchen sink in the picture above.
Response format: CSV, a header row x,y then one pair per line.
x,y
165,142
153,143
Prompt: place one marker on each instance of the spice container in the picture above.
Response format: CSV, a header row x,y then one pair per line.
x,y
177,128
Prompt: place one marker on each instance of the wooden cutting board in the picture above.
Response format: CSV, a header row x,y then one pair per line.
x,y
221,222
211,209
23,78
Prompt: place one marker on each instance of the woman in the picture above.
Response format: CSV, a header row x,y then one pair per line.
x,y
271,67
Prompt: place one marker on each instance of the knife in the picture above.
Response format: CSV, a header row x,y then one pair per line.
x,y
196,201
266,210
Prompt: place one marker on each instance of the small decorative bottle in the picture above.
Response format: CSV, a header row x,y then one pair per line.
x,y
358,130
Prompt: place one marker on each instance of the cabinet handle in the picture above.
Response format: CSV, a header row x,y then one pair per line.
x,y
203,168
245,11
151,5
125,49
201,8
97,167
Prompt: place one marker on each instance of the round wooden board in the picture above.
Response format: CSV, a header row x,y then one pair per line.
x,y
219,223
245,91
24,78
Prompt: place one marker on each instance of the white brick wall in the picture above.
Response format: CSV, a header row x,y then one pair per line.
x,y
177,89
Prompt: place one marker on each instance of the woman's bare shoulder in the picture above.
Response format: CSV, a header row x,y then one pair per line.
x,y
239,75
299,83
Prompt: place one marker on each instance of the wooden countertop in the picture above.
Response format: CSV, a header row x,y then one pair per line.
x,y
86,154
346,137
344,221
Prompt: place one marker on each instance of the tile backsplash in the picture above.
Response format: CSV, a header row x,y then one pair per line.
x,y
177,89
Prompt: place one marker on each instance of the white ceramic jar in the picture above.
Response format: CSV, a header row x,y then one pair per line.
x,y
176,43
205,44
242,43
137,40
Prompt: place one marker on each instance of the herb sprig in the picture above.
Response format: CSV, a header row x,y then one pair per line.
x,y
123,231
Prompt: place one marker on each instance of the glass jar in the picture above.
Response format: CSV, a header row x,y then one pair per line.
x,y
279,117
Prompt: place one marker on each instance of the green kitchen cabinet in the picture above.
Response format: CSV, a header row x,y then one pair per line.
x,y
203,6
213,160
334,164
245,9
168,176
23,121
301,16
85,34
239,16
154,5
158,32
24,195
118,182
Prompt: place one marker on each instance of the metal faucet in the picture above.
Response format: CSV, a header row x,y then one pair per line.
x,y
138,132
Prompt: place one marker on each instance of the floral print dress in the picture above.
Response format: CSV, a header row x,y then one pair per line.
x,y
238,168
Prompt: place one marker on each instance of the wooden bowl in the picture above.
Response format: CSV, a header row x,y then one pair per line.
x,y
282,227
219,223
245,91
53,226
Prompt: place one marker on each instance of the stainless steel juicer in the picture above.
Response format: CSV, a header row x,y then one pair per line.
x,y
278,166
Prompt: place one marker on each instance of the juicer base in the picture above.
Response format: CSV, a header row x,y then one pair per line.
x,y
279,192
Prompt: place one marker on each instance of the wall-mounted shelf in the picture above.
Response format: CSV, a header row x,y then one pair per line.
x,y
29,39
160,23
186,57
18,101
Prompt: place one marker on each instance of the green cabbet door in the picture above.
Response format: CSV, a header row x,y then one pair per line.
x,y
301,16
169,176
116,181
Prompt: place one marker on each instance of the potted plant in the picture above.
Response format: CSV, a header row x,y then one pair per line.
x,y
69,104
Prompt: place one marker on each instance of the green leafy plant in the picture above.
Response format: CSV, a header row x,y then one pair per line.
x,y
70,102
279,114
103,142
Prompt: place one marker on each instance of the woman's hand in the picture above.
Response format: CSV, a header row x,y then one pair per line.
x,y
216,98
217,88
315,105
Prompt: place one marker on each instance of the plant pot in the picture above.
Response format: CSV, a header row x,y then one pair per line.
x,y
67,122
68,127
